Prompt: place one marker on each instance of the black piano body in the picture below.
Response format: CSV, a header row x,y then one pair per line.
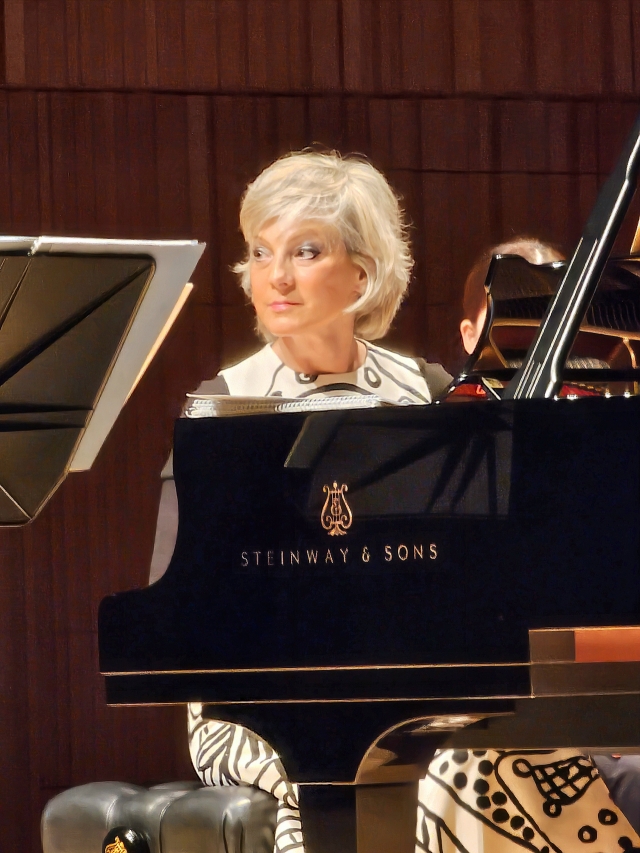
x,y
469,526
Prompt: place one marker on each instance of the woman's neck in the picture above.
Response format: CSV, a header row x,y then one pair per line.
x,y
317,355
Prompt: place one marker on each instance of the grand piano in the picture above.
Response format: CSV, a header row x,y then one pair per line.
x,y
362,587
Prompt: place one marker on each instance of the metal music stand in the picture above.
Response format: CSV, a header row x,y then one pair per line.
x,y
80,319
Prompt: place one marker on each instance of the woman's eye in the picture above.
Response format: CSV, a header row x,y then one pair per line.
x,y
308,253
258,253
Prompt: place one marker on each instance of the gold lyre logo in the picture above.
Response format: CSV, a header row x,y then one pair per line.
x,y
116,847
336,513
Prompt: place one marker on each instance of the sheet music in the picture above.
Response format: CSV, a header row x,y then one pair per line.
x,y
222,405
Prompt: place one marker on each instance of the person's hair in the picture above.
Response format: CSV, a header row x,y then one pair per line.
x,y
351,197
530,248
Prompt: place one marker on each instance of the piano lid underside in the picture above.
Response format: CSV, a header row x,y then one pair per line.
x,y
609,336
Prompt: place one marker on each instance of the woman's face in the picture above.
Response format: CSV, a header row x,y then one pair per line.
x,y
302,279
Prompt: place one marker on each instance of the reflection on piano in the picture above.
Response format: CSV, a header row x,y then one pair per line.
x,y
485,581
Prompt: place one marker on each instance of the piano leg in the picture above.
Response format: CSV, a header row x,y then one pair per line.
x,y
328,815
359,818
386,818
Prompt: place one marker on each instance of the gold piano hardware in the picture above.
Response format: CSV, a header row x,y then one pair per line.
x,y
336,514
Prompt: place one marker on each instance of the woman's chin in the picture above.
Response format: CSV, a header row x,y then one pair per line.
x,y
278,330
281,327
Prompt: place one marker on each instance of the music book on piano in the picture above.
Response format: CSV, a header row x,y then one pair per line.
x,y
224,406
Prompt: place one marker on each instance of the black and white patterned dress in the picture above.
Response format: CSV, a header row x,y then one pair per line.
x,y
507,801
384,374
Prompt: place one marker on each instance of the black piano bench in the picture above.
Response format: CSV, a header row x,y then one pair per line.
x,y
177,817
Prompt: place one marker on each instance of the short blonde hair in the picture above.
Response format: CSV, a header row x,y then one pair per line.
x,y
351,196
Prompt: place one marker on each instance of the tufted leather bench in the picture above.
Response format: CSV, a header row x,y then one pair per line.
x,y
177,817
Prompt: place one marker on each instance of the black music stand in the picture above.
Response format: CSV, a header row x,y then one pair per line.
x,y
80,319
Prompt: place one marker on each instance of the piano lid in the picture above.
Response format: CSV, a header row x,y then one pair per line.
x,y
606,351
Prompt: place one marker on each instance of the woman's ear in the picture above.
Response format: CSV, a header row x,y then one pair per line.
x,y
361,283
469,334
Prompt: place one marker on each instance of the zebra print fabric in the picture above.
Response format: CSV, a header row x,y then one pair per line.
x,y
227,754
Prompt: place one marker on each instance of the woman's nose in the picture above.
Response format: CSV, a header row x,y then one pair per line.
x,y
281,274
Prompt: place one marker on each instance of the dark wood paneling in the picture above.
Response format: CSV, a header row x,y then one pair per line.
x,y
395,133
147,118
500,47
18,814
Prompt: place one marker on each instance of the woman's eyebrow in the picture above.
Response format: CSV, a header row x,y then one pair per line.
x,y
307,237
295,239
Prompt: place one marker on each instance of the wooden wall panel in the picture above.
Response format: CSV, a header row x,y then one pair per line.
x,y
18,815
394,126
146,118
467,127
326,125
580,48
499,39
614,123
599,31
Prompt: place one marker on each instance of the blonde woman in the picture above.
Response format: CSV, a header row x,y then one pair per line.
x,y
327,265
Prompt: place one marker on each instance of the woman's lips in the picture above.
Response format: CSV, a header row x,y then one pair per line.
x,y
282,305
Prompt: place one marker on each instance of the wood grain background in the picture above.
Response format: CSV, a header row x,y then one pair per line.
x,y
146,118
